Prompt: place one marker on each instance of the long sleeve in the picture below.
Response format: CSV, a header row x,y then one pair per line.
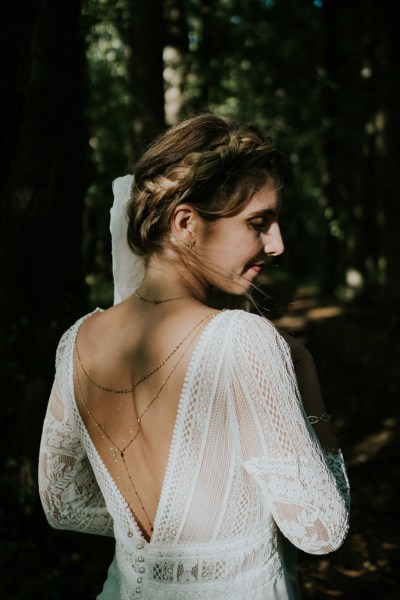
x,y
306,490
69,492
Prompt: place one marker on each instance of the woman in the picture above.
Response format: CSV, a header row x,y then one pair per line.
x,y
178,428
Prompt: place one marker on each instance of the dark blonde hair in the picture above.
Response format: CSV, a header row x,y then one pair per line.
x,y
208,161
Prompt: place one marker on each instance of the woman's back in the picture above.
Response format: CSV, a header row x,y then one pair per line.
x,y
135,347
228,481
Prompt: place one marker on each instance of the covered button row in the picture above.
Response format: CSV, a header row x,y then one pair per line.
x,y
140,546
139,580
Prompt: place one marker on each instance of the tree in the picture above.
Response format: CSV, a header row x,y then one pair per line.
x,y
388,144
43,148
144,36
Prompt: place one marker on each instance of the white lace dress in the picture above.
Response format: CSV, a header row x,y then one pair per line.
x,y
243,462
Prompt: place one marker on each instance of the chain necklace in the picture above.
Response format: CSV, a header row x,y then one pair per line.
x,y
115,448
136,383
166,299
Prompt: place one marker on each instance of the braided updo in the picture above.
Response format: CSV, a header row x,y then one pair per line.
x,y
207,161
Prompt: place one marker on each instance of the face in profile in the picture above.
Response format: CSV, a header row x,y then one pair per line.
x,y
233,250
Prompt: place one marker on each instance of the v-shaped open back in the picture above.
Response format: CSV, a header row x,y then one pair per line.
x,y
122,436
242,461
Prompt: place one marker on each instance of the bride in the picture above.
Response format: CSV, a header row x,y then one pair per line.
x,y
196,437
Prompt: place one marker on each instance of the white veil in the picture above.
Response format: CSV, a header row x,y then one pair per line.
x,y
128,268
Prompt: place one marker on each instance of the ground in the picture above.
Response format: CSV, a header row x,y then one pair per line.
x,y
358,357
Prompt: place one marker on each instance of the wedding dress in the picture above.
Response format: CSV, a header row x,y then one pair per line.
x,y
244,467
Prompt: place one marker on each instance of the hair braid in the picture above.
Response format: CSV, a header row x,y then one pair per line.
x,y
216,170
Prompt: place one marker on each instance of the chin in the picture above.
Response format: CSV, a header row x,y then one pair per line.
x,y
238,289
236,286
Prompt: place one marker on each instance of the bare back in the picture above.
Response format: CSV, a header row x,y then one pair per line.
x,y
129,368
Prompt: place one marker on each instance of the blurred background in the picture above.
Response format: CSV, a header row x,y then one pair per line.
x,y
85,86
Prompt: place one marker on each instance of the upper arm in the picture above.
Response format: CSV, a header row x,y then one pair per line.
x,y
68,489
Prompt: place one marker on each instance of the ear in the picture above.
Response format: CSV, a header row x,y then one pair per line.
x,y
183,224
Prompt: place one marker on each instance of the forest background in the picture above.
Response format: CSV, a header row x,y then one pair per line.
x,y
85,86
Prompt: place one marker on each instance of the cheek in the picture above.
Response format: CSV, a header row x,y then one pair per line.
x,y
243,251
230,244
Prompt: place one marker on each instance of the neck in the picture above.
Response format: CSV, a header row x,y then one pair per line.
x,y
165,278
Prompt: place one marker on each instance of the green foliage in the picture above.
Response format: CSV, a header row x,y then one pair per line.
x,y
109,102
302,70
108,116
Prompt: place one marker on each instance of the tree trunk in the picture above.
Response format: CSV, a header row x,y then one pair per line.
x,y
43,151
146,41
176,49
389,55
348,104
330,109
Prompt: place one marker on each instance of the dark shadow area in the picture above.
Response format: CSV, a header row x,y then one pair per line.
x,y
358,358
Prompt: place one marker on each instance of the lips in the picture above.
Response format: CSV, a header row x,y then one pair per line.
x,y
257,267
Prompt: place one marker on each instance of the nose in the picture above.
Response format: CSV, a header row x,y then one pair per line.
x,y
273,241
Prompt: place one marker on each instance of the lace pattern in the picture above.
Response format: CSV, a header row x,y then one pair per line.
x,y
285,459
68,488
243,461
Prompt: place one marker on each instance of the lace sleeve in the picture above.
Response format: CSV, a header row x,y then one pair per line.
x,y
306,491
69,492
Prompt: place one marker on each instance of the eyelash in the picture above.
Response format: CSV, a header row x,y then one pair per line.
x,y
259,226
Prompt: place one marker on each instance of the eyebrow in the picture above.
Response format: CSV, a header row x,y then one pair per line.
x,y
262,213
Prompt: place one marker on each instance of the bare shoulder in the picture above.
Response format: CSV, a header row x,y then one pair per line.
x,y
121,329
100,334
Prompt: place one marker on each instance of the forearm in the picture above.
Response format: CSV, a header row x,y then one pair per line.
x,y
68,488
70,494
310,391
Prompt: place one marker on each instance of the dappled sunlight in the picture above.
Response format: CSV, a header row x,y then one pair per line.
x,y
358,365
305,308
325,312
370,447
